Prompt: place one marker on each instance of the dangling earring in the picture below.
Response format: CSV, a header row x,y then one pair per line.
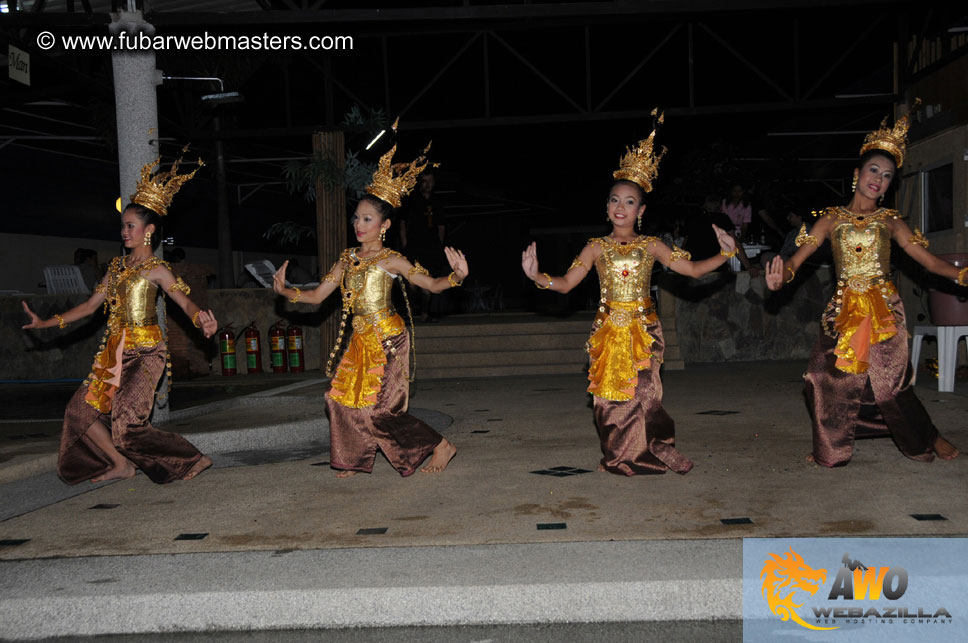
x,y
853,184
606,215
638,221
147,238
383,235
880,200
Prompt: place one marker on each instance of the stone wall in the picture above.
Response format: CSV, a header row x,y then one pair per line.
x,y
727,316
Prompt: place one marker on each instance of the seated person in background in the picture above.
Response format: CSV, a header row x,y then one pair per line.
x,y
796,221
700,239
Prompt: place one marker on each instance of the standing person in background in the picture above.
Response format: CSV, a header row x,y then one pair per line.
x,y
702,241
422,234
737,208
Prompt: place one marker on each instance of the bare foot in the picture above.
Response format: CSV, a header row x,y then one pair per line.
x,y
345,473
117,472
204,463
601,468
945,450
810,459
441,457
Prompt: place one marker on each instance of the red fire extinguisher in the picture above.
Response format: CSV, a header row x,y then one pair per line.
x,y
277,347
253,350
226,349
297,356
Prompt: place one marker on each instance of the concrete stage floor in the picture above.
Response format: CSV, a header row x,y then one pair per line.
x,y
743,424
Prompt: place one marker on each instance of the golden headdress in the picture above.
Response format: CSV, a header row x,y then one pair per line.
x,y
641,165
893,141
156,192
393,181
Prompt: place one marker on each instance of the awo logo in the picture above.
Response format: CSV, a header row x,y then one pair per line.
x,y
787,575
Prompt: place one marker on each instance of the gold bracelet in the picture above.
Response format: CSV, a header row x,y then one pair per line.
x,y
793,274
919,239
550,282
963,277
804,238
728,255
60,321
417,270
195,319
678,253
295,298
454,281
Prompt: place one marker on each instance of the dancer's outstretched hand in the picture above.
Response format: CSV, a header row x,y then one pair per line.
x,y
529,261
727,242
774,273
35,320
279,279
458,262
207,323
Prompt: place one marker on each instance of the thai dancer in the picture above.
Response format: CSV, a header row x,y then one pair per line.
x,y
861,358
625,348
106,432
368,396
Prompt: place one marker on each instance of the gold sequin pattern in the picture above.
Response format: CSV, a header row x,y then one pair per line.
x,y
624,270
620,347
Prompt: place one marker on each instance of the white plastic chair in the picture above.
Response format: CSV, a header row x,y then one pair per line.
x,y
65,280
948,338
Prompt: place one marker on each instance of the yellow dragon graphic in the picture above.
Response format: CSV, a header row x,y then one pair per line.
x,y
790,572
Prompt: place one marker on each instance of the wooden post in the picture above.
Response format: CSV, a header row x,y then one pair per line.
x,y
330,233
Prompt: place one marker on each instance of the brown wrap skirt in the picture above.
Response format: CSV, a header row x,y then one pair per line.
x,y
356,434
163,456
638,436
837,401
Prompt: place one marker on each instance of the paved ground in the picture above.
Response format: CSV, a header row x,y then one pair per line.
x,y
749,464
744,425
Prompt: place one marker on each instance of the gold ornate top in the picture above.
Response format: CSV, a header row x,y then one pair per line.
x,y
156,192
393,181
130,296
804,238
641,165
861,249
366,287
892,140
624,269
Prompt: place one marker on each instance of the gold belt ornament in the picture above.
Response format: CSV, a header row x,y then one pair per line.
x,y
363,322
859,283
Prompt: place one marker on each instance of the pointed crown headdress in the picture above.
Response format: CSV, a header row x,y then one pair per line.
x,y
891,140
156,192
641,164
393,181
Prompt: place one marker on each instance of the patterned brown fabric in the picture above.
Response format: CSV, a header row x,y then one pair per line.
x,y
638,436
356,434
161,455
835,399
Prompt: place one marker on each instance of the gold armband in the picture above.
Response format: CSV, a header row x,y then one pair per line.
x,y
577,263
60,321
678,253
550,282
180,285
919,239
793,274
331,276
417,270
803,237
295,298
730,254
195,319
963,277
100,289
453,280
